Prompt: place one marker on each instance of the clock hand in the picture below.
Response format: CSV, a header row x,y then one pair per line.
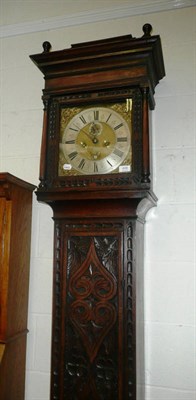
x,y
95,128
94,139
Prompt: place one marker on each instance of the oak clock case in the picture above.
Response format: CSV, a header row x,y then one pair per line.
x,y
95,174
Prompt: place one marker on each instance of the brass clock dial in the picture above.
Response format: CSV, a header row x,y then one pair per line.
x,y
95,140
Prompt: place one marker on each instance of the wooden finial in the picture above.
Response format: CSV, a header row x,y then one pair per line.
x,y
147,29
46,46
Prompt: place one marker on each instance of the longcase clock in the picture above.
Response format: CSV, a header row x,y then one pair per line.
x,y
95,174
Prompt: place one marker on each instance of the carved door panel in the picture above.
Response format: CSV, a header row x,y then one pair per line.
x,y
89,360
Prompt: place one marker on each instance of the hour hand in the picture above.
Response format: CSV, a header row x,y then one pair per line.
x,y
89,135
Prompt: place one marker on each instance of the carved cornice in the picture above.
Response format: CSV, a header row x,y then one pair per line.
x,y
99,15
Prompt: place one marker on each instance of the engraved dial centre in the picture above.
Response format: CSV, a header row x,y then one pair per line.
x,y
96,145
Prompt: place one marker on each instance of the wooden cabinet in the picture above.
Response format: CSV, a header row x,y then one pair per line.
x,y
15,235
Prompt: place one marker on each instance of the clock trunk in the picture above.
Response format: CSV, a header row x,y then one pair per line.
x,y
98,319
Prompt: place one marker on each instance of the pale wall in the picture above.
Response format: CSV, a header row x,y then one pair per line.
x,y
170,228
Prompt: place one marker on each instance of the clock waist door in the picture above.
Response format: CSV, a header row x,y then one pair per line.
x,y
93,315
